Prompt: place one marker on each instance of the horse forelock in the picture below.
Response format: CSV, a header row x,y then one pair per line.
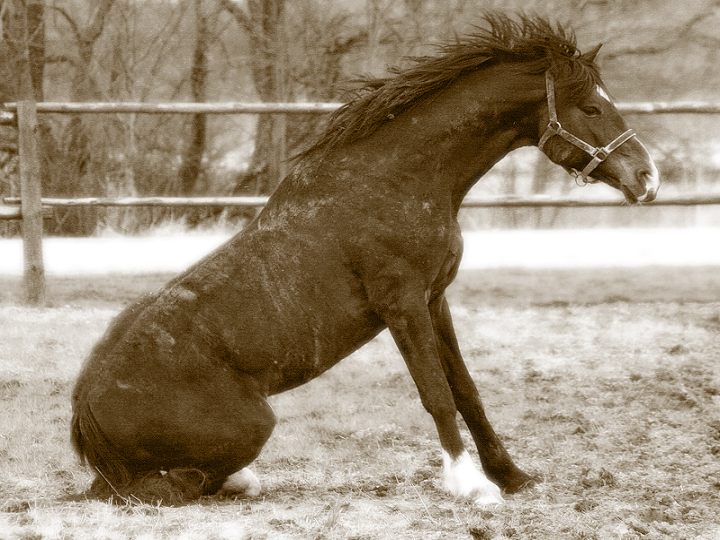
x,y
532,42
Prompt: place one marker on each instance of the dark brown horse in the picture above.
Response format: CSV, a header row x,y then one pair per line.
x,y
362,235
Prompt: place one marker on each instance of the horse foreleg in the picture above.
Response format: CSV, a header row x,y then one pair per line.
x,y
494,457
408,319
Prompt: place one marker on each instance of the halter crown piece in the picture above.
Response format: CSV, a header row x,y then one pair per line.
x,y
554,127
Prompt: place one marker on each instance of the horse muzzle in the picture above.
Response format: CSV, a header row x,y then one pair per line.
x,y
651,182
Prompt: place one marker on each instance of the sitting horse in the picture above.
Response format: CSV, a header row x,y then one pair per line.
x,y
361,235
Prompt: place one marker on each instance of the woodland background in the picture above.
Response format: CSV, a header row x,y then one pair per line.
x,y
302,50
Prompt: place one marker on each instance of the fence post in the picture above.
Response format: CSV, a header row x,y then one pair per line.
x,y
280,143
31,206
281,74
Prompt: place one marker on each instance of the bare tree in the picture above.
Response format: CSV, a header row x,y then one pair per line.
x,y
262,22
23,27
192,159
22,65
71,156
298,60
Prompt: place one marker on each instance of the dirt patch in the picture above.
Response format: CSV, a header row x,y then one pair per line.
x,y
614,404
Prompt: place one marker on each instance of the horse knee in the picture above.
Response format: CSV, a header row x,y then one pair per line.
x,y
247,433
259,423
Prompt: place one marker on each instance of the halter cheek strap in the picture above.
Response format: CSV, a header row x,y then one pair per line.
x,y
554,127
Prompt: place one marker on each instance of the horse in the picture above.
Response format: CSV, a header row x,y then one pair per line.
x,y
361,235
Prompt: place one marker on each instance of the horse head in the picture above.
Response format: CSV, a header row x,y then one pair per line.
x,y
583,132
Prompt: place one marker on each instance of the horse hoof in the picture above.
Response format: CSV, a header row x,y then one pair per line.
x,y
462,479
243,482
518,481
489,499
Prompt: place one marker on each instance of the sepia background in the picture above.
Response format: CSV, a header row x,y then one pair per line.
x,y
307,50
593,334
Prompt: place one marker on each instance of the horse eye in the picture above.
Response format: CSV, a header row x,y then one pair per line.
x,y
591,110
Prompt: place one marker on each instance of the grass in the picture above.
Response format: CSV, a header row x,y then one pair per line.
x,y
605,383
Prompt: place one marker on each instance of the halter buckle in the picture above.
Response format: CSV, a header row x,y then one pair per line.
x,y
580,179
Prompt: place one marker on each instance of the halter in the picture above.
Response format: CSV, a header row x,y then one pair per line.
x,y
554,127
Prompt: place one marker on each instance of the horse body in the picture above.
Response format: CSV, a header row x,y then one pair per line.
x,y
360,236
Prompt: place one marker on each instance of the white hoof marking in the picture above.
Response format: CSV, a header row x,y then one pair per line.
x,y
244,481
463,479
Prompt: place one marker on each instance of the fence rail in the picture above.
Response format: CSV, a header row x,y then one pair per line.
x,y
31,208
533,201
239,107
228,107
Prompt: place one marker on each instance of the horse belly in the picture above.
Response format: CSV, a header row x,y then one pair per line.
x,y
288,326
289,342
319,348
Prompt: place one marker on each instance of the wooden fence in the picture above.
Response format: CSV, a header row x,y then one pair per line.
x,y
31,207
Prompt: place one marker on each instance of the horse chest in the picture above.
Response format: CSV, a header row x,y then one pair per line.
x,y
428,245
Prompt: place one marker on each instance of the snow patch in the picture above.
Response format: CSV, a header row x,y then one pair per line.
x,y
561,248
591,248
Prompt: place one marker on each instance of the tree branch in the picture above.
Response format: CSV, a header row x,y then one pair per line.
x,y
65,15
685,30
59,59
92,32
238,13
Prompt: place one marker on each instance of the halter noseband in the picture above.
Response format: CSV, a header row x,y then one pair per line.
x,y
554,127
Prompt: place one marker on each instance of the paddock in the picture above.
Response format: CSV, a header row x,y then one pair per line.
x,y
602,381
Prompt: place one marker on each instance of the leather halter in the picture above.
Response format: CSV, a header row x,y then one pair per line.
x,y
554,127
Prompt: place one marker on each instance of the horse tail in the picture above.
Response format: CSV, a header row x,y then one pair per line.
x,y
94,449
116,482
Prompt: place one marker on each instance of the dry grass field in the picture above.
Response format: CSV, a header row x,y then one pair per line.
x,y
604,383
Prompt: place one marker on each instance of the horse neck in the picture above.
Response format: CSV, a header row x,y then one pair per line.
x,y
448,141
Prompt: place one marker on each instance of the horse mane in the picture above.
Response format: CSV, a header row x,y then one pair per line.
x,y
533,41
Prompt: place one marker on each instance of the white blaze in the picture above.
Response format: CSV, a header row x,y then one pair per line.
x,y
602,93
463,479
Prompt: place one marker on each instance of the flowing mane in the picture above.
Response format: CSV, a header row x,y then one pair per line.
x,y
534,41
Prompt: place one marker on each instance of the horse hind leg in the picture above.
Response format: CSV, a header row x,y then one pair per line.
x,y
243,482
188,445
179,485
116,479
171,488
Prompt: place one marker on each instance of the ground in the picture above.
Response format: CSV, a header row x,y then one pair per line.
x,y
604,383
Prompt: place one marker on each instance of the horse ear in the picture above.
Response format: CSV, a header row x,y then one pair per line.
x,y
590,55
